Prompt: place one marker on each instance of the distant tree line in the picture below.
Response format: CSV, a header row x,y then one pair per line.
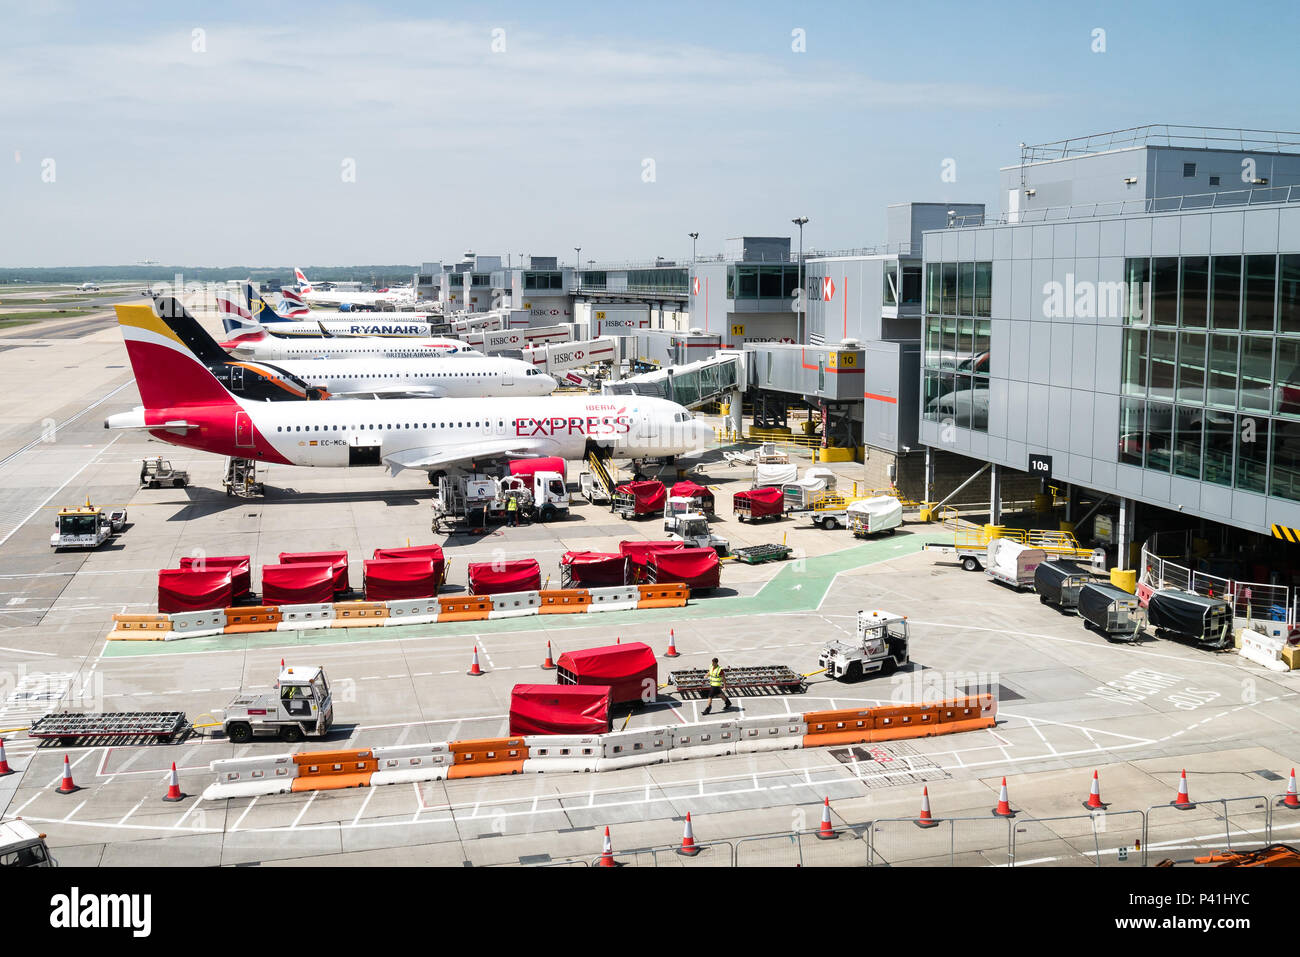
x,y
380,276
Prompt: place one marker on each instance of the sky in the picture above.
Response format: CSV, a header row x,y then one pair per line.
x,y
275,133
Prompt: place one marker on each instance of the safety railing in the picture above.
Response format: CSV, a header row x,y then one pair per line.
x,y
1251,601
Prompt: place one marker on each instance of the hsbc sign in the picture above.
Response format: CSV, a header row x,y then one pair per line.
x,y
828,288
695,286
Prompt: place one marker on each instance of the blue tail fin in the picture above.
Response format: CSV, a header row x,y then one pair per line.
x,y
259,310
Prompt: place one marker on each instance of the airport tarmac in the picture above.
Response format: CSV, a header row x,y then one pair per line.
x,y
1070,702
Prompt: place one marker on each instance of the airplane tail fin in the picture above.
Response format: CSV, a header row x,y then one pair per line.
x,y
304,284
170,354
259,310
292,304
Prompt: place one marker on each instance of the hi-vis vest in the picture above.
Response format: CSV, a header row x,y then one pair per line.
x,y
715,677
511,505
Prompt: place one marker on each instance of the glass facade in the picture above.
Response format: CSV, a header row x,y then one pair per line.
x,y
904,290
764,282
543,280
957,342
1211,370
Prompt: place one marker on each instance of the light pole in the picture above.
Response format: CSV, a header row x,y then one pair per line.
x,y
801,221
694,236
577,267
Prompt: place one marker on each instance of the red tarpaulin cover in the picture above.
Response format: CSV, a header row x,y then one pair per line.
x,y
338,558
392,579
529,466
647,496
762,501
560,709
433,552
241,578
304,584
637,552
631,670
597,569
697,567
495,578
180,589
691,490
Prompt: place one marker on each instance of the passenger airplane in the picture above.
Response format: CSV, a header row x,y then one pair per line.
x,y
336,297
255,343
425,376
291,304
234,316
185,405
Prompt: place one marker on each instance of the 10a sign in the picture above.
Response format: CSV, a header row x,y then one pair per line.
x,y
1040,466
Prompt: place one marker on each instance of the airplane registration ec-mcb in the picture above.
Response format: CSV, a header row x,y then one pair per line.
x,y
185,405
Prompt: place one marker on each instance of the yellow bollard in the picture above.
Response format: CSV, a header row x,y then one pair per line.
x,y
1125,579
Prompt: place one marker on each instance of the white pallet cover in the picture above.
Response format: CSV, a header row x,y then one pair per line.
x,y
406,608
212,621
323,611
655,741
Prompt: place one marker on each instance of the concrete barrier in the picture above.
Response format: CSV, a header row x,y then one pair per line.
x,y
348,613
293,617
653,743
333,770
773,733
1263,650
705,740
402,609
251,619
195,623
614,598
564,601
465,608
515,604
662,596
486,757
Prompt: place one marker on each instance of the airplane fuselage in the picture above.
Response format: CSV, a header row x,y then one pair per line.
x,y
272,348
455,377
343,432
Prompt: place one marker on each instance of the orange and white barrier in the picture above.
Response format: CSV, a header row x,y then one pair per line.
x,y
543,754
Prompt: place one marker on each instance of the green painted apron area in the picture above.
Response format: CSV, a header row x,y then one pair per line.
x,y
800,585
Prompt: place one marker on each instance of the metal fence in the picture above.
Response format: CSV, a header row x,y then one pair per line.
x,y
1109,838
1251,601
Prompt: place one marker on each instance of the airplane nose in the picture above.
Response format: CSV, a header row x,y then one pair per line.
x,y
548,383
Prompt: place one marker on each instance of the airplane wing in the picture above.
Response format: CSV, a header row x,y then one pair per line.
x,y
431,456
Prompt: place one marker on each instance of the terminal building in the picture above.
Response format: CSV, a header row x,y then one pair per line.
x,y
1129,323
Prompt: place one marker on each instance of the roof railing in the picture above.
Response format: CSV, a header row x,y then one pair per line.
x,y
1254,196
1164,134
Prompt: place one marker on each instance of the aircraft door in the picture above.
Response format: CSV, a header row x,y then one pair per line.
x,y
243,430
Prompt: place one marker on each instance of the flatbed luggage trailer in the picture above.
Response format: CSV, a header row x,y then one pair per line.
x,y
69,727
752,680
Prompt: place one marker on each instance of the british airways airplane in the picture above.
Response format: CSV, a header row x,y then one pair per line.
x,y
185,405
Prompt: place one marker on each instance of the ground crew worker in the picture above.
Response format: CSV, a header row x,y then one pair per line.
x,y
512,511
716,681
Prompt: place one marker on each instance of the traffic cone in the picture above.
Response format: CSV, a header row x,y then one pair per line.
x,y
1004,806
826,832
1182,802
688,848
474,670
925,820
1290,800
548,664
618,640
5,769
672,646
67,787
607,852
173,787
1094,802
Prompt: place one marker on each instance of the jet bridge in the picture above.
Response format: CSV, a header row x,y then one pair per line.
x,y
692,385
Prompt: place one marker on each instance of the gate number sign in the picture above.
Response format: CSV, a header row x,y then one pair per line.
x,y
1041,466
